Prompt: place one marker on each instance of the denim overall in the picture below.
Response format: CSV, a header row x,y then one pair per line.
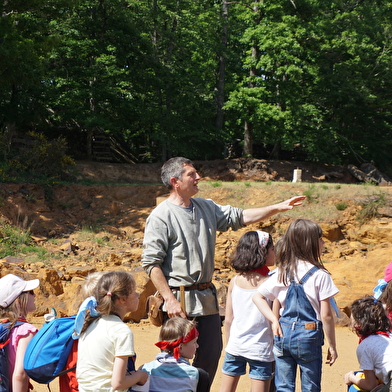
x,y
301,343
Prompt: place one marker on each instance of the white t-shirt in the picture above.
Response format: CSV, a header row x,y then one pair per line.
x,y
105,339
318,287
375,353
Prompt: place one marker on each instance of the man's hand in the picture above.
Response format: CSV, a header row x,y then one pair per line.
x,y
291,203
173,308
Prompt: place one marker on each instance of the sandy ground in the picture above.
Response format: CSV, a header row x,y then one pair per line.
x,y
146,335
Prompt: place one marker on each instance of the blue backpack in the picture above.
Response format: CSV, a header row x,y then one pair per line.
x,y
4,367
48,351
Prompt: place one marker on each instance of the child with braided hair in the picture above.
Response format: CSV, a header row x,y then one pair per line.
x,y
171,370
105,342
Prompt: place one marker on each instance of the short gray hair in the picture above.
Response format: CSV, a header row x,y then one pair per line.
x,y
174,167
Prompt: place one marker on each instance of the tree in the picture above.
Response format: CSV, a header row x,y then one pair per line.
x,y
318,78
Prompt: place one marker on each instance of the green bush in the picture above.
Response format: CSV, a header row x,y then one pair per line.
x,y
40,160
369,207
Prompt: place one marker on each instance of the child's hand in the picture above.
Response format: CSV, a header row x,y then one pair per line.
x,y
143,377
347,377
332,355
277,331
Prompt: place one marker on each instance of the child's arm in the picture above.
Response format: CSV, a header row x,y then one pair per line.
x,y
229,311
20,380
122,380
276,308
368,383
329,329
264,308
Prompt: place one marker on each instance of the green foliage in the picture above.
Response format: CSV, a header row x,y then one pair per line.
x,y
341,205
311,193
14,241
215,184
43,161
305,74
370,206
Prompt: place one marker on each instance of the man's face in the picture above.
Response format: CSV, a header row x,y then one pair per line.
x,y
187,184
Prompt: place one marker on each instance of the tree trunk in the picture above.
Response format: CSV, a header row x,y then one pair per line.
x,y
220,98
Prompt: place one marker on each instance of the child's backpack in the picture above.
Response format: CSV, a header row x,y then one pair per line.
x,y
5,329
48,351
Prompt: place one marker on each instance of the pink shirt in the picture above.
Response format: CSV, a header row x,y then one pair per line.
x,y
15,335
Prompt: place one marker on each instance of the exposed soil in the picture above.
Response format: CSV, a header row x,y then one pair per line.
x,y
100,227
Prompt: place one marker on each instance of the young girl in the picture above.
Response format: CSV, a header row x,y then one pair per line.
x,y
106,342
304,288
383,291
17,299
248,334
171,370
68,381
374,353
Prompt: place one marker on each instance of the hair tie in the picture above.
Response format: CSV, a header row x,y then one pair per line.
x,y
263,238
174,346
109,293
379,289
90,304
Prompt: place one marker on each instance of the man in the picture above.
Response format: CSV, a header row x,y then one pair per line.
x,y
179,250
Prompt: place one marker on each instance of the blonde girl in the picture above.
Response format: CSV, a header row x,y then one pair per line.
x,y
17,299
105,342
303,287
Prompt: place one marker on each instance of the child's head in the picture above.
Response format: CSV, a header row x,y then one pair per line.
x,y
112,287
16,296
254,249
303,241
178,337
386,288
368,317
88,286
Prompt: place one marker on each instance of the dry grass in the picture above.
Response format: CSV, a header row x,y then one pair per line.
x,y
325,202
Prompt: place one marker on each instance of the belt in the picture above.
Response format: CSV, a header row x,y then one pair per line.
x,y
196,286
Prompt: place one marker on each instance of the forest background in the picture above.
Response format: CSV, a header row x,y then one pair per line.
x,y
307,78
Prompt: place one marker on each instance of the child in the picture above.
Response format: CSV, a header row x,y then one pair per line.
x,y
248,334
383,291
106,343
68,381
304,288
374,353
171,371
17,299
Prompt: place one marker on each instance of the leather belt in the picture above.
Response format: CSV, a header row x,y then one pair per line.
x,y
196,286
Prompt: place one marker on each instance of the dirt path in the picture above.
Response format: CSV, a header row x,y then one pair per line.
x,y
146,335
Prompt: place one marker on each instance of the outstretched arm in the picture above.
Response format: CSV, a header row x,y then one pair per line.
x,y
254,215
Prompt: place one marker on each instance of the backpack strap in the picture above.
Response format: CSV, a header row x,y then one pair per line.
x,y
308,275
6,323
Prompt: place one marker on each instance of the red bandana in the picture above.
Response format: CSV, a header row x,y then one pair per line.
x,y
362,338
175,346
264,270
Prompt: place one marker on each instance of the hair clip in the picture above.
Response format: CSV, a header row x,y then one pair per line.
x,y
109,293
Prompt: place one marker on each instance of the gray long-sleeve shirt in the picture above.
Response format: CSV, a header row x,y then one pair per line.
x,y
183,245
